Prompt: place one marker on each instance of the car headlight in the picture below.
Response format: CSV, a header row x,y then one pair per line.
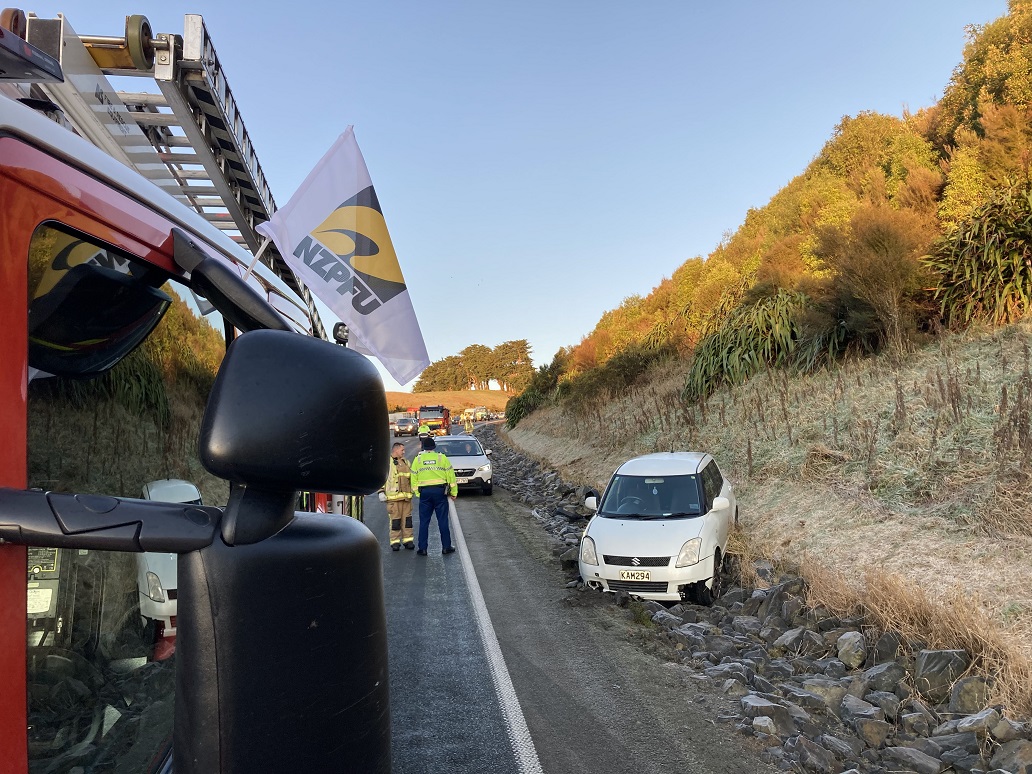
x,y
154,590
689,553
485,469
587,551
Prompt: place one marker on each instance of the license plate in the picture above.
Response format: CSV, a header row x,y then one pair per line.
x,y
462,481
635,575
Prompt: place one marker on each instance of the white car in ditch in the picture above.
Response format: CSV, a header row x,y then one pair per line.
x,y
158,573
661,529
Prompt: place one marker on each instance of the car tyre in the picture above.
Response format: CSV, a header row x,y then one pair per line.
x,y
487,488
705,595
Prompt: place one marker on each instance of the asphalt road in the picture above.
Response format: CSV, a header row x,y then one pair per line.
x,y
587,691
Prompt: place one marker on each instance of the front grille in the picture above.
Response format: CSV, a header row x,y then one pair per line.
x,y
465,473
637,587
642,561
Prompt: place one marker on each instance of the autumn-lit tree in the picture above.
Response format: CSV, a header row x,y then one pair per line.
x,y
445,374
876,262
477,362
512,367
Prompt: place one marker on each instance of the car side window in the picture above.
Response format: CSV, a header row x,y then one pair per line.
x,y
711,482
718,478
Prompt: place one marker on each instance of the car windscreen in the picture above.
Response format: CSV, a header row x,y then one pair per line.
x,y
459,448
651,497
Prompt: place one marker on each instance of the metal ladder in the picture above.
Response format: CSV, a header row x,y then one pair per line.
x,y
186,136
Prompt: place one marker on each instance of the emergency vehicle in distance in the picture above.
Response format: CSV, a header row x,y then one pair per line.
x,y
111,204
437,418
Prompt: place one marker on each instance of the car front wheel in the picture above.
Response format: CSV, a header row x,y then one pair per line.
x,y
487,488
707,595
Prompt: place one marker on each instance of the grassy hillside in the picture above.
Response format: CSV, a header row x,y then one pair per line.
x,y
455,400
903,491
137,423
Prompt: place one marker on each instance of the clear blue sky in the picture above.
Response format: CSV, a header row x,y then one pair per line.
x,y
537,162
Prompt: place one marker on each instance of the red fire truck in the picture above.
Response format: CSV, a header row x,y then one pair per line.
x,y
280,659
437,418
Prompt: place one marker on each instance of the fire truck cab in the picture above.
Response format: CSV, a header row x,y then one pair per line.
x,y
280,658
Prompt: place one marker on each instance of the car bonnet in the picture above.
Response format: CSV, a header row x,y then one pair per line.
x,y
633,537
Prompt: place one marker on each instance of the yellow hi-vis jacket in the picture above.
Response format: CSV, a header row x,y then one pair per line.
x,y
424,428
398,486
431,468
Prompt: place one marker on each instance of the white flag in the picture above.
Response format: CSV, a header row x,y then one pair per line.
x,y
333,235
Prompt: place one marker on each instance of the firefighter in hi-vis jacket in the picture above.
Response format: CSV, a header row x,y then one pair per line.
x,y
397,493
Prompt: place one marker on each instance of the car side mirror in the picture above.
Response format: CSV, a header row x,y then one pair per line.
x,y
287,413
721,504
591,503
487,452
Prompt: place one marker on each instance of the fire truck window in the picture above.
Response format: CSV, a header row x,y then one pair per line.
x,y
101,626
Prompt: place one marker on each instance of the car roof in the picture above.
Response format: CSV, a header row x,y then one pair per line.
x,y
664,464
172,490
458,437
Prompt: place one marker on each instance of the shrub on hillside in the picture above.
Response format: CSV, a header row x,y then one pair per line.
x,y
613,377
543,388
755,335
876,274
519,407
984,266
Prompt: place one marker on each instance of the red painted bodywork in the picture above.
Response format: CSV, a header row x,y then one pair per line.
x,y
34,188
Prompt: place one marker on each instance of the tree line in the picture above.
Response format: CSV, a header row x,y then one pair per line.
x,y
475,367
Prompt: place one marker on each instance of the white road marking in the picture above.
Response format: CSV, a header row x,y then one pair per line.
x,y
515,724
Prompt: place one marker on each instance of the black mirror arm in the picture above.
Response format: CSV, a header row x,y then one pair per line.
x,y
37,518
253,514
234,299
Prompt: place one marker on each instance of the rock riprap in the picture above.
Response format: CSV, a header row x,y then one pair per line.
x,y
820,693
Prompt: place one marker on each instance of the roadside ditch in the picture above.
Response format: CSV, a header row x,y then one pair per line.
x,y
821,693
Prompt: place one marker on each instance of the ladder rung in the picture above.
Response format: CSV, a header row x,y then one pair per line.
x,y
143,98
199,190
155,119
192,174
180,158
177,141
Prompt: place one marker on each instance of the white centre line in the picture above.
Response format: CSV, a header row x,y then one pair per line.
x,y
515,724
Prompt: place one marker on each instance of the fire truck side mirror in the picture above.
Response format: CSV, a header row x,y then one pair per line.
x,y
282,647
290,412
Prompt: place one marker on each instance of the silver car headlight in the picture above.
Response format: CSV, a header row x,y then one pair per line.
x,y
689,553
587,551
485,469
154,589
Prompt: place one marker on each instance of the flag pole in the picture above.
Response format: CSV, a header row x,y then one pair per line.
x,y
257,255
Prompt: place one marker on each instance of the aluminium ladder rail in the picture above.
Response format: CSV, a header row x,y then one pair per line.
x,y
188,136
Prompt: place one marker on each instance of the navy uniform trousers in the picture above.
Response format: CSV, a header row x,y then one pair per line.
x,y
433,500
